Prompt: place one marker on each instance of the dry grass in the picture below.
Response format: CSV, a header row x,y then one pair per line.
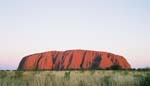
x,y
75,78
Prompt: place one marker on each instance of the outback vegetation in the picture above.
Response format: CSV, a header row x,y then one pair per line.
x,y
76,78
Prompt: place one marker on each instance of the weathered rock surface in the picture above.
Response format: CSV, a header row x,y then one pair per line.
x,y
72,59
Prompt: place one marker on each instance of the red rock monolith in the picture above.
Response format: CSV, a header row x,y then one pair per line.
x,y
72,59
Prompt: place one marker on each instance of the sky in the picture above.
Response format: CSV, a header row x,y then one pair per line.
x,y
32,26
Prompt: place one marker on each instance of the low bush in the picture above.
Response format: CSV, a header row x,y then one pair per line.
x,y
67,75
145,80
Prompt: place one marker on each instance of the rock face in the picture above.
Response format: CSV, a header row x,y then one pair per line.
x,y
72,59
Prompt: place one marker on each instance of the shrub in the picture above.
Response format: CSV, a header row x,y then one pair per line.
x,y
144,69
82,71
106,81
115,67
92,72
3,74
67,75
145,80
81,83
18,74
126,72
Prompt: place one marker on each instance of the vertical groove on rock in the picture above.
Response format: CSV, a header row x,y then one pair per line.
x,y
63,56
37,64
63,59
70,60
58,61
83,58
61,65
55,57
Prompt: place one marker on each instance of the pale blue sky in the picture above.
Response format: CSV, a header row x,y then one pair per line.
x,y
32,26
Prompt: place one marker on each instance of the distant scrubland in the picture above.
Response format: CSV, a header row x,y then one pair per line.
x,y
75,78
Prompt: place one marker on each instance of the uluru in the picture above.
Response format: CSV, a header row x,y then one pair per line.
x,y
72,59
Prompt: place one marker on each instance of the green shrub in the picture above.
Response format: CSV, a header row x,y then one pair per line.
x,y
144,69
126,72
82,71
81,83
67,75
105,81
145,80
92,72
3,74
18,74
115,67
